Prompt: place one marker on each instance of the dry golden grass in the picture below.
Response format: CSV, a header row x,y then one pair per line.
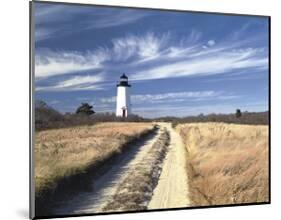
x,y
60,153
227,163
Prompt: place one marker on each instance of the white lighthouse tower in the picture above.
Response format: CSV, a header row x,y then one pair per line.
x,y
123,102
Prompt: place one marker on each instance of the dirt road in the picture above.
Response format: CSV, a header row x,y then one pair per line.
x,y
171,190
105,187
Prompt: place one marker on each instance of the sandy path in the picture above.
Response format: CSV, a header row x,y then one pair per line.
x,y
106,186
172,188
170,192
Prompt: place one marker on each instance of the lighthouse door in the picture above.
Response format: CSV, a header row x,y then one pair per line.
x,y
123,113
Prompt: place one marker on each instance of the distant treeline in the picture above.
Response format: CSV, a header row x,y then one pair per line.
x,y
47,117
251,118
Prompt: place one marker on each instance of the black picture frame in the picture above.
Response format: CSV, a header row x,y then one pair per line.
x,y
32,213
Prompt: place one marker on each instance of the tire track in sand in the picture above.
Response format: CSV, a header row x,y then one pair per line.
x,y
106,186
172,188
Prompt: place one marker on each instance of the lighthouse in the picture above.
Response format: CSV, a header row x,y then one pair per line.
x,y
123,103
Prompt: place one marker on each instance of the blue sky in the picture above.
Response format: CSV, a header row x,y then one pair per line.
x,y
178,63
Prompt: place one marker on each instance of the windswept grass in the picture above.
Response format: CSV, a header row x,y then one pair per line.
x,y
227,163
60,153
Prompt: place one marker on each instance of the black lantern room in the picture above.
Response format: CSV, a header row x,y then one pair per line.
x,y
123,81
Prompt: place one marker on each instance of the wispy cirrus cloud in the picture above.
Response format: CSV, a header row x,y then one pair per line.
x,y
44,33
251,25
75,83
208,64
47,14
174,97
96,18
144,47
184,110
151,56
177,63
114,17
51,63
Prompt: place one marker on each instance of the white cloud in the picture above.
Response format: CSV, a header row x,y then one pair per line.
x,y
189,110
174,97
211,43
179,52
108,100
44,33
192,38
75,83
49,13
211,63
113,17
108,17
253,24
59,63
51,63
152,56
142,47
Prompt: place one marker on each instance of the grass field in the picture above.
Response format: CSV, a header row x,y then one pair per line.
x,y
227,163
60,153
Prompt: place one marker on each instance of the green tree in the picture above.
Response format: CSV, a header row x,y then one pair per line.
x,y
85,109
238,113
